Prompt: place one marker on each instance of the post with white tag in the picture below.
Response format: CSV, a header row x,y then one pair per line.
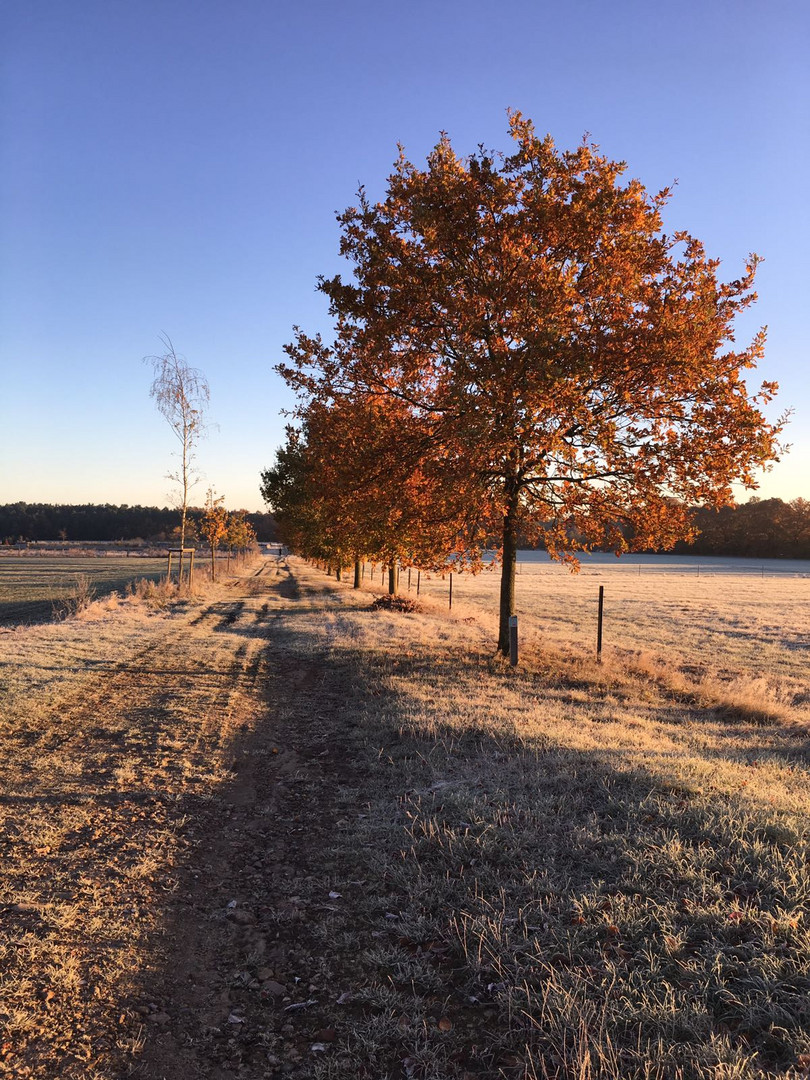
x,y
513,640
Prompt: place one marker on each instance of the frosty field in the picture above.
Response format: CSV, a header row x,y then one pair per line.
x,y
31,586
270,830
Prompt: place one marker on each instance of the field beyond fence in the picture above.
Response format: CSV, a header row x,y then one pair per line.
x,y
35,588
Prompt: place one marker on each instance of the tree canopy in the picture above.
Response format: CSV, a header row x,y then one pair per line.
x,y
548,345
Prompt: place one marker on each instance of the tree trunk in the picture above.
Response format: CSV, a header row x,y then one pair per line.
x,y
184,513
357,573
338,572
507,606
213,564
392,578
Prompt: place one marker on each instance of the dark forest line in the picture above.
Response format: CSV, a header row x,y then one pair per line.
x,y
760,528
27,522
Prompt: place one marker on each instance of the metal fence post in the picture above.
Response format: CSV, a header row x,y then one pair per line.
x,y
599,624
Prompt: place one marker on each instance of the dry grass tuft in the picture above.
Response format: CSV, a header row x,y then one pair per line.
x,y
396,603
77,600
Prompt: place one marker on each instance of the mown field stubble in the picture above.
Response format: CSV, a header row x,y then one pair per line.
x,y
274,832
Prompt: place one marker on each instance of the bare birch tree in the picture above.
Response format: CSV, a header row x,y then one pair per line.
x,y
181,394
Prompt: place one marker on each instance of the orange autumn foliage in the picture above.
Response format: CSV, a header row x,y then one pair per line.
x,y
539,338
362,490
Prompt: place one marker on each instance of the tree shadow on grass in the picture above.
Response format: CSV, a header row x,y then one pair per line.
x,y
403,891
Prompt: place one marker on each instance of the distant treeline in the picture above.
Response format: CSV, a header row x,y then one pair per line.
x,y
150,524
759,528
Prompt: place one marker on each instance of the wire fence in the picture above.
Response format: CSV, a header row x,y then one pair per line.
x,y
773,568
752,618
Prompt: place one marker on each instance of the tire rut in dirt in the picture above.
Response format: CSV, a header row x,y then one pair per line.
x,y
241,933
95,833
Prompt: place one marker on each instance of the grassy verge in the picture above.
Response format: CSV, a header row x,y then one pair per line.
x,y
566,871
34,588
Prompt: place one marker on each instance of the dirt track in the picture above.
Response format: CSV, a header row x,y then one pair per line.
x,y
283,833
153,821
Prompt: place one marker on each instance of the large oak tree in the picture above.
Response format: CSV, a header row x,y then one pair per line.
x,y
569,361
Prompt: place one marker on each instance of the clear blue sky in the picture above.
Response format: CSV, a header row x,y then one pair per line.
x,y
175,166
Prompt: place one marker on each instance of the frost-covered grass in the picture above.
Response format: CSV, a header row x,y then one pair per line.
x,y
748,634
595,871
560,870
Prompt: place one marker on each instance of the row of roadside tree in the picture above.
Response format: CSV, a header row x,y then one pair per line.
x,y
223,529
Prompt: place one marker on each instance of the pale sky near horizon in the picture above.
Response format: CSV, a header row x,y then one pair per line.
x,y
175,166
